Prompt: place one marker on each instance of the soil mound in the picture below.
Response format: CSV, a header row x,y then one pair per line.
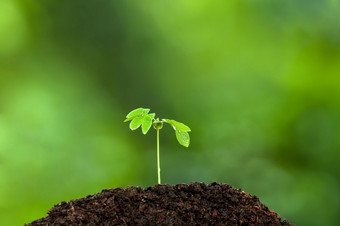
x,y
181,204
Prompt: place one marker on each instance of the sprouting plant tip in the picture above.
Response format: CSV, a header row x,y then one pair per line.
x,y
140,117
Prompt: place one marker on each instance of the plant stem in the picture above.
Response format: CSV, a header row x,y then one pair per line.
x,y
158,162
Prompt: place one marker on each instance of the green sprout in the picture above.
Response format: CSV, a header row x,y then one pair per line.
x,y
141,117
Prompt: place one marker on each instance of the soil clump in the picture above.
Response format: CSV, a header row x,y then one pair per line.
x,y
181,204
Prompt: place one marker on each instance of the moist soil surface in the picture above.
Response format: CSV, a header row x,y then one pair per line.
x,y
181,204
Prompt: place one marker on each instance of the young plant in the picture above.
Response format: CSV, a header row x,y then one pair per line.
x,y
141,117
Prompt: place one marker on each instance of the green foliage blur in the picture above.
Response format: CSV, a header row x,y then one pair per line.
x,y
257,81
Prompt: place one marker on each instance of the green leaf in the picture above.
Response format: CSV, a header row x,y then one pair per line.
x,y
146,125
183,138
136,122
177,125
135,113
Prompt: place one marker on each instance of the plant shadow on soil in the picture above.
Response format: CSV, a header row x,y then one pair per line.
x,y
181,204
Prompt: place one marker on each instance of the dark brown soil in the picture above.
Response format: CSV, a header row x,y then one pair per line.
x,y
182,204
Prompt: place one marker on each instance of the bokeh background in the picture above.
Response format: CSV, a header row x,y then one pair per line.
x,y
257,81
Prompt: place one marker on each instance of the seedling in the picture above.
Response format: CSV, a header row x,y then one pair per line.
x,y
141,117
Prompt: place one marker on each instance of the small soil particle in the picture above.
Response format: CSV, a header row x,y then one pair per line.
x,y
181,204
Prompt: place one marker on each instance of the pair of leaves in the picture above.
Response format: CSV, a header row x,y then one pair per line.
x,y
181,130
140,117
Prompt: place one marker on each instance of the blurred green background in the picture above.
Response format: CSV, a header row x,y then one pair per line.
x,y
256,80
